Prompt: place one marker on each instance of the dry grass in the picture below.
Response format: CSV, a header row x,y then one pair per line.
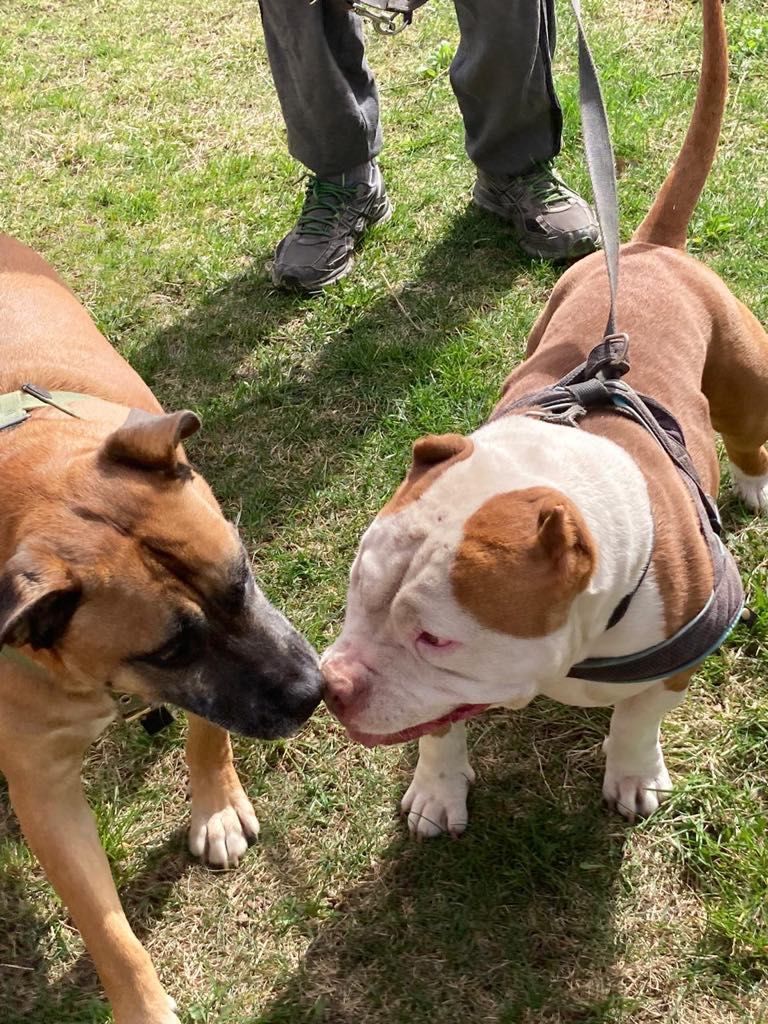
x,y
143,154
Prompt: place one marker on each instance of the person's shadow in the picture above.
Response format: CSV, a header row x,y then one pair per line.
x,y
272,436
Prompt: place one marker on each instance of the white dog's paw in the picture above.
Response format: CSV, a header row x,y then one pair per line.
x,y
636,794
437,802
223,825
753,490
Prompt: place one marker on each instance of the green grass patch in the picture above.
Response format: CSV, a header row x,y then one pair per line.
x,y
143,154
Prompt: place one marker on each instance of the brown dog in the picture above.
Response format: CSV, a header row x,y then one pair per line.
x,y
538,558
118,574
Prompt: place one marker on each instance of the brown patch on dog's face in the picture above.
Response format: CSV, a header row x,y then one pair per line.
x,y
138,582
432,456
523,558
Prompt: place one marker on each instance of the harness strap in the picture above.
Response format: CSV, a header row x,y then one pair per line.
x,y
16,406
596,385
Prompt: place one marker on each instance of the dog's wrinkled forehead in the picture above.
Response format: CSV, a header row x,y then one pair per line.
x,y
169,531
219,586
385,555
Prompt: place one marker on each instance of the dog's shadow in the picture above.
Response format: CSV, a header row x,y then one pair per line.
x,y
512,923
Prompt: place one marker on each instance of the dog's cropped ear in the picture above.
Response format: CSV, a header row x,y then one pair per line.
x,y
151,442
436,448
38,597
432,456
564,537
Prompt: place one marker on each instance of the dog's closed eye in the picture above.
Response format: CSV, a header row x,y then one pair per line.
x,y
181,649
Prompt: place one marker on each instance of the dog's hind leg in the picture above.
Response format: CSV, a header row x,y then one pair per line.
x,y
223,820
736,385
47,796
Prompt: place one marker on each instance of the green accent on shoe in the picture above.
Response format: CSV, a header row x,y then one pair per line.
x,y
319,250
550,220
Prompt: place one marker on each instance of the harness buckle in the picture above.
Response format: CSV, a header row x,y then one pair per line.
x,y
152,717
610,359
385,23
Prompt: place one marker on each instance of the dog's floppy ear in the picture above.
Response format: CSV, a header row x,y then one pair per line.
x,y
432,456
151,442
433,449
38,597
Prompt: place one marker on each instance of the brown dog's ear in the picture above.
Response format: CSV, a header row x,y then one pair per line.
x,y
524,557
151,442
436,448
38,597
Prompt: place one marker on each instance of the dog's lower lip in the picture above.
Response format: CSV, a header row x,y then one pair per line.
x,y
459,714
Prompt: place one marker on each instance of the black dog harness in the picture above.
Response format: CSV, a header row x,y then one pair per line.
x,y
595,385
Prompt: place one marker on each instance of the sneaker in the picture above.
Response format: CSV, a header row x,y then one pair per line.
x,y
550,220
320,249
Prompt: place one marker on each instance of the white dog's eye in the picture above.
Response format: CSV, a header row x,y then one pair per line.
x,y
430,640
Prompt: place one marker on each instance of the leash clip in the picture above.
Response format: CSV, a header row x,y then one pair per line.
x,y
384,22
152,717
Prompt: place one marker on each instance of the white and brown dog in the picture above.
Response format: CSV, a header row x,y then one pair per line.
x,y
500,561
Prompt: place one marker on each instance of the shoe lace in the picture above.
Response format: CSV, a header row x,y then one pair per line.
x,y
323,205
545,186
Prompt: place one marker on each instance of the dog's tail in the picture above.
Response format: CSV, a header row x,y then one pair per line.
x,y
667,221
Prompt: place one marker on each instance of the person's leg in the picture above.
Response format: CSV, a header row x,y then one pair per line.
x,y
326,91
331,110
502,78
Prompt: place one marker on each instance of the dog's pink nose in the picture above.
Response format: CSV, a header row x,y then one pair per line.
x,y
345,682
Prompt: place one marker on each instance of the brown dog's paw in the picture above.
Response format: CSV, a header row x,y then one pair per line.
x,y
223,826
149,1014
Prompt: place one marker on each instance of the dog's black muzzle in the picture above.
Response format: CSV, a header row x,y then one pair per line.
x,y
260,679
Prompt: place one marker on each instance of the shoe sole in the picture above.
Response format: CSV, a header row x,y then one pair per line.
x,y
295,285
582,246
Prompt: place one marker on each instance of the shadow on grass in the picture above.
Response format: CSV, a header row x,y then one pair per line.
x,y
275,433
511,924
27,994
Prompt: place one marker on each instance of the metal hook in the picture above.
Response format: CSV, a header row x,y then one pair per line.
x,y
385,24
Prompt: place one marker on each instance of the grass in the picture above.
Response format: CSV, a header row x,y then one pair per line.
x,y
143,154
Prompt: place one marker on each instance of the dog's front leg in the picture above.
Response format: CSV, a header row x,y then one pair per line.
x,y
636,777
436,800
48,799
223,820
